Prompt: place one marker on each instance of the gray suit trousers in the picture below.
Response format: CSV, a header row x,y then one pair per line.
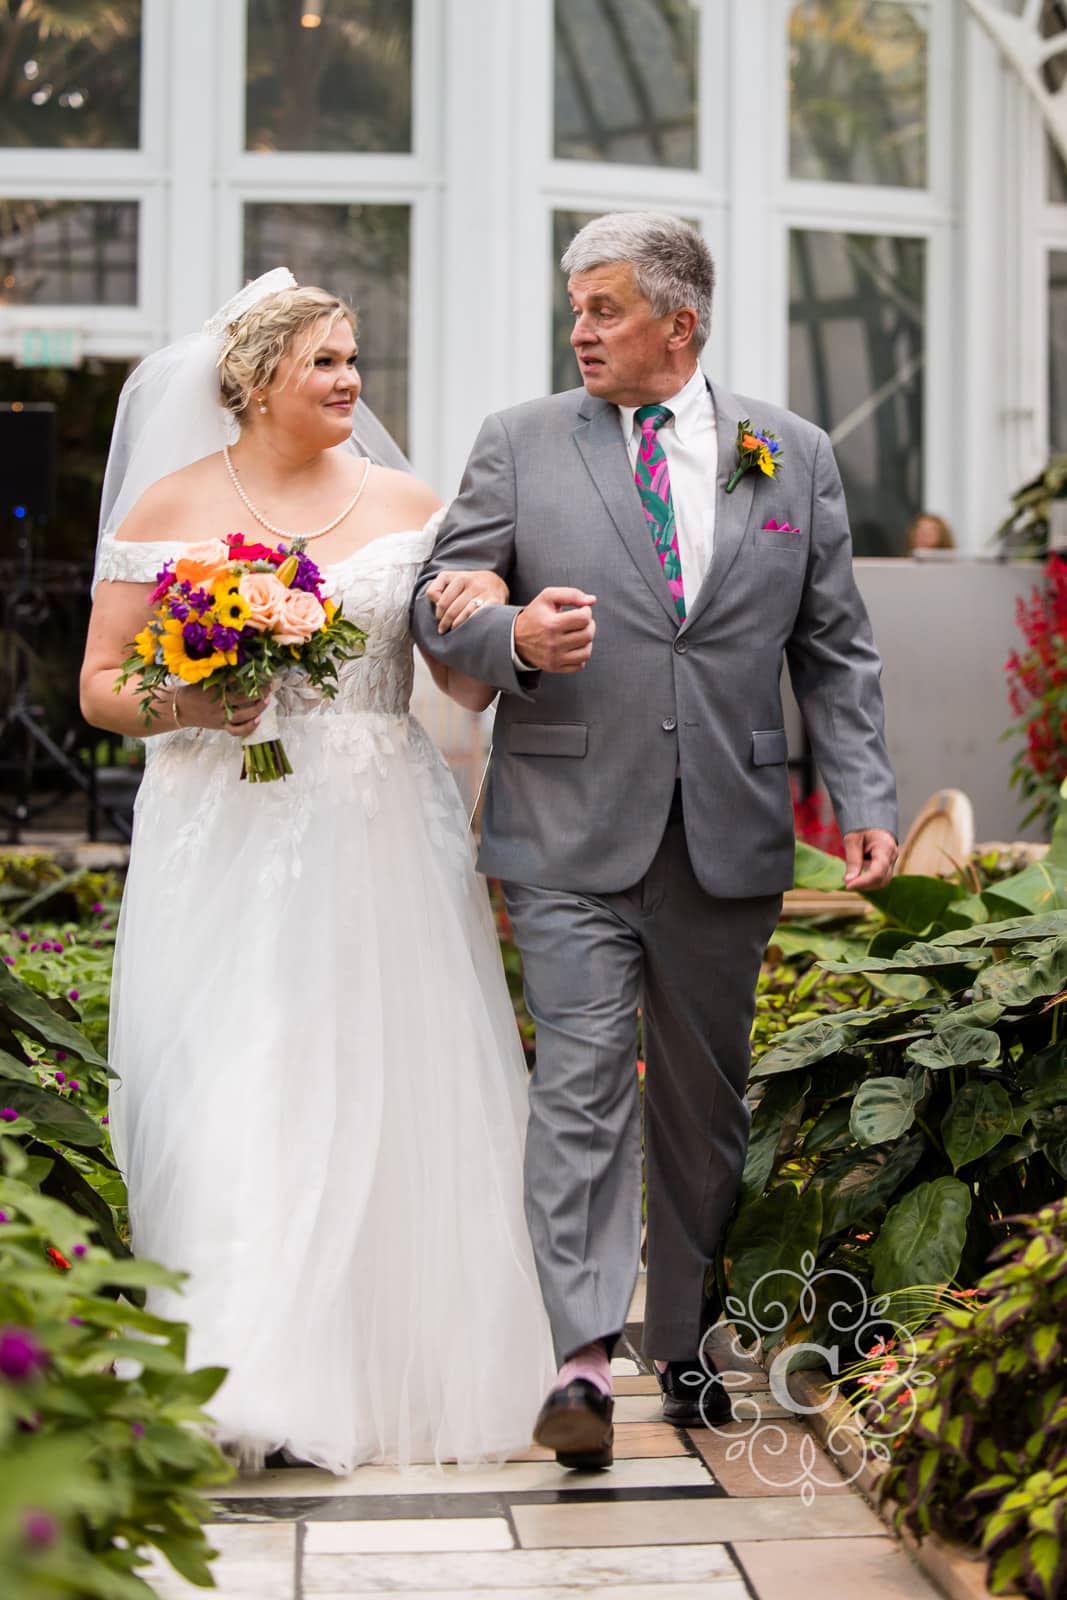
x,y
691,962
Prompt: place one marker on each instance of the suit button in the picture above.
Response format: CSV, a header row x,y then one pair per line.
x,y
681,647
669,724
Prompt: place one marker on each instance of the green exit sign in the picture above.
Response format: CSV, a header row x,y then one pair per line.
x,y
49,347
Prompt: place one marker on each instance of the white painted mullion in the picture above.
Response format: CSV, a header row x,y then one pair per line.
x,y
755,84
195,93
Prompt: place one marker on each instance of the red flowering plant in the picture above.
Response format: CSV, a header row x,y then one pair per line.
x,y
1037,690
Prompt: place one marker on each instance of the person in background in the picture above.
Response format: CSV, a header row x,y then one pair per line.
x,y
928,532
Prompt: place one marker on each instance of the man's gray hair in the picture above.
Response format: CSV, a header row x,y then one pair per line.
x,y
672,265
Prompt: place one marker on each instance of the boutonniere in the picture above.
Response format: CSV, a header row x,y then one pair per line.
x,y
754,449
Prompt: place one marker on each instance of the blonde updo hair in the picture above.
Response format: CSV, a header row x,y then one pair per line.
x,y
257,341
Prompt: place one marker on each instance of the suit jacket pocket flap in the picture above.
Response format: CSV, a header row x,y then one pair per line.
x,y
769,747
547,738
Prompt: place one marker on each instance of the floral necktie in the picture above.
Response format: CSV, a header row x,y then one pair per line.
x,y
653,479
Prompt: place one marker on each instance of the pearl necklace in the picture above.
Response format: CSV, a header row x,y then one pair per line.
x,y
281,533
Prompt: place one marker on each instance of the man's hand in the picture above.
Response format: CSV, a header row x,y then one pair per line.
x,y
555,631
869,857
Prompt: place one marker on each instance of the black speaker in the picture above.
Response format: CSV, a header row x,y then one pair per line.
x,y
27,461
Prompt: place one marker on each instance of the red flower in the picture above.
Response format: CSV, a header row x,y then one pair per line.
x,y
58,1260
241,551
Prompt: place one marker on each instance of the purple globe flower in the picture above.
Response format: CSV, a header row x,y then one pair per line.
x,y
3,1217
21,1356
39,1529
72,994
137,1429
7,1114
80,1249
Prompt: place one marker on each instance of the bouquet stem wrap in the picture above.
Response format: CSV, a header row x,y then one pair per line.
x,y
264,754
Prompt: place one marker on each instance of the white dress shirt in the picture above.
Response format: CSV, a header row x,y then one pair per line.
x,y
690,443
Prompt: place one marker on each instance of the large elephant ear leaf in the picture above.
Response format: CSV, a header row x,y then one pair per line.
x,y
814,869
921,1240
978,1118
767,1255
915,902
884,1108
955,1046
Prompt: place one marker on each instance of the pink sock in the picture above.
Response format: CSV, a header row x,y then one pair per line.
x,y
591,1363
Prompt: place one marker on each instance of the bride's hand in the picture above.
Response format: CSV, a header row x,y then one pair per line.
x,y
200,708
458,595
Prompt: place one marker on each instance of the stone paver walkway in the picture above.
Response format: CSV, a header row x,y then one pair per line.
x,y
683,1514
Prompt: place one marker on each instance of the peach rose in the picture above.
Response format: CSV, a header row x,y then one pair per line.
x,y
266,599
302,615
201,562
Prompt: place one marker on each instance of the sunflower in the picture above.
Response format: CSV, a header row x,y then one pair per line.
x,y
178,661
231,608
145,645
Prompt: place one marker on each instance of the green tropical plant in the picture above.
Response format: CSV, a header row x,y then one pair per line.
x,y
93,1466
985,1458
889,1136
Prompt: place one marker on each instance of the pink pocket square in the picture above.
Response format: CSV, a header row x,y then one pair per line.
x,y
770,526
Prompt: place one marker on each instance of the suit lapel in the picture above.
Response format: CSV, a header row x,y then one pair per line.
x,y
599,439
732,511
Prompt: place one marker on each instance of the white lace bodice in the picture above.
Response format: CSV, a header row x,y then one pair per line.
x,y
373,585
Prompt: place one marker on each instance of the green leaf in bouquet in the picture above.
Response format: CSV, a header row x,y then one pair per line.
x,y
979,1116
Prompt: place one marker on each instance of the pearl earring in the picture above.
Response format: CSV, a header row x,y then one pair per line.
x,y
262,407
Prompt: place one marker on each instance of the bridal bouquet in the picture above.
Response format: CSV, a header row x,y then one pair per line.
x,y
231,615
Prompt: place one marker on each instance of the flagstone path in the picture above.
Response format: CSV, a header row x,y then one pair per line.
x,y
683,1514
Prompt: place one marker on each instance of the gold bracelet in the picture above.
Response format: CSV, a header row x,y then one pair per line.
x,y
174,710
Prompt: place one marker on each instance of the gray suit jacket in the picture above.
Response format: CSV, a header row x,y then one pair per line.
x,y
584,764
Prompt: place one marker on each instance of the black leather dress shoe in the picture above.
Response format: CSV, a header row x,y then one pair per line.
x,y
693,1397
575,1422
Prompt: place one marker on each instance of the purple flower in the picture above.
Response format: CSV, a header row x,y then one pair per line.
x,y
61,1055
8,1115
72,994
179,609
137,1429
308,575
224,638
3,1217
39,1529
76,1322
73,1084
104,1121
10,960
24,937
21,1356
200,601
97,908
80,1249
197,640
34,947
61,1077
58,946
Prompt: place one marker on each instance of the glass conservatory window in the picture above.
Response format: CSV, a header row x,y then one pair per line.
x,y
858,91
68,252
70,75
626,81
856,354
362,253
328,75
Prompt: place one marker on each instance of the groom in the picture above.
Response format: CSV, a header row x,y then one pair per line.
x,y
666,545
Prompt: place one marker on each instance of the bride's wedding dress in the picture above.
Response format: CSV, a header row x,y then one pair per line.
x,y
322,1095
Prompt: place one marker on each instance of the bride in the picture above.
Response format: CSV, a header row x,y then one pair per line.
x,y
320,1107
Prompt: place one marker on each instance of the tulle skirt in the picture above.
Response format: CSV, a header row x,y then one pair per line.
x,y
321,1104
